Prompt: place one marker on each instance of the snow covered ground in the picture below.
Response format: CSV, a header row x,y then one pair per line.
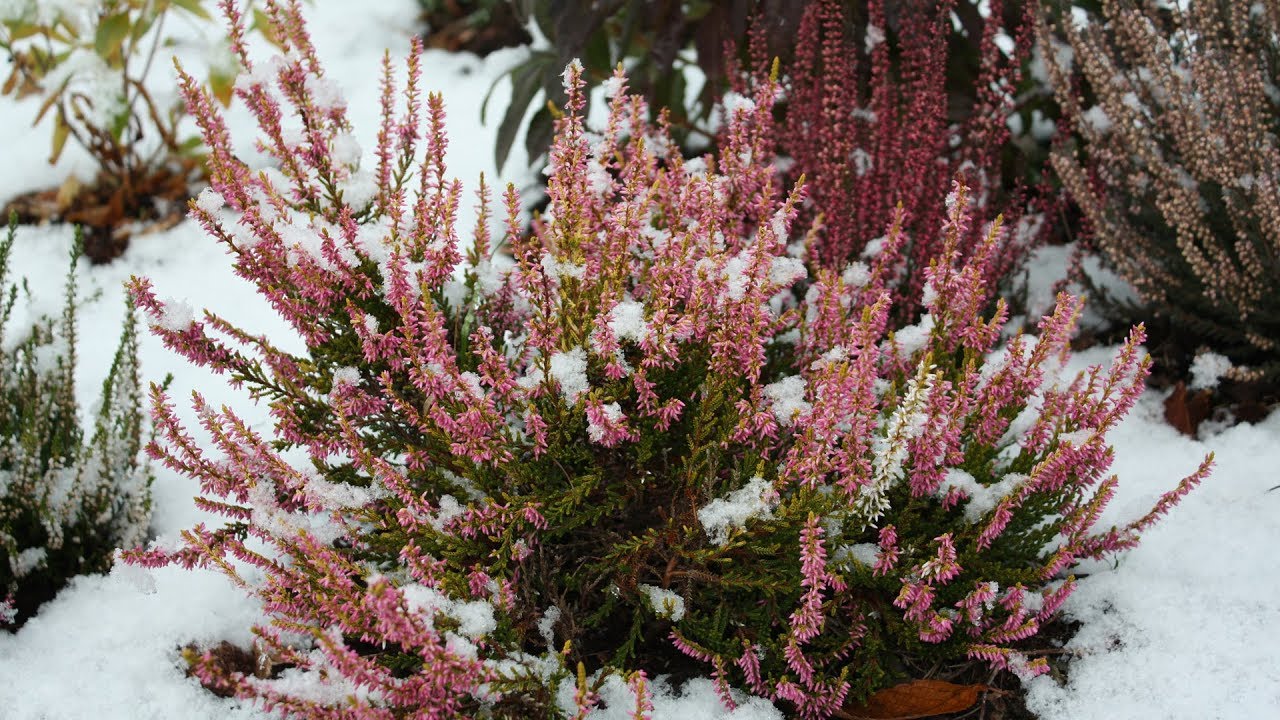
x,y
1185,626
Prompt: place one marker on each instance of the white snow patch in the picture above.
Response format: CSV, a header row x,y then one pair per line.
x,y
787,397
1207,369
666,603
569,369
756,499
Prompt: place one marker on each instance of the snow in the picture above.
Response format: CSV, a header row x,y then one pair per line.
x,y
611,87
627,322
475,617
785,271
912,338
1098,119
1207,369
981,498
735,103
570,370
756,499
787,398
1182,627
210,201
177,315
875,36
666,603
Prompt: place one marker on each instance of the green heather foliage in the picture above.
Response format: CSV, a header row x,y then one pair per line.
x,y
642,440
66,501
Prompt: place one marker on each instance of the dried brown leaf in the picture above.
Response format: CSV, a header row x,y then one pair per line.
x,y
916,699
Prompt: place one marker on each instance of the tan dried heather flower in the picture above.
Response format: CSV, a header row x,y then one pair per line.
x,y
1178,178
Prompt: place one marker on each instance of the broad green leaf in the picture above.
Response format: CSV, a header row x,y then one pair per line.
x,y
596,56
22,31
10,83
222,83
190,145
110,35
538,137
118,125
60,133
49,102
524,85
262,23
140,28
194,7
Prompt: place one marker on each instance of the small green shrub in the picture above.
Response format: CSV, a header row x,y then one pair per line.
x,y
65,503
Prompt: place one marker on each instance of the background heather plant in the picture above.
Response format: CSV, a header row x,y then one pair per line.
x,y
627,449
656,41
1175,166
66,501
886,106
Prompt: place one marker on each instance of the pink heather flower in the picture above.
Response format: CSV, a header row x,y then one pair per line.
x,y
887,558
943,567
638,683
807,621
607,425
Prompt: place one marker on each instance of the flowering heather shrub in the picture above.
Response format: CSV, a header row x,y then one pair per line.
x,y
875,119
1176,169
626,451
65,504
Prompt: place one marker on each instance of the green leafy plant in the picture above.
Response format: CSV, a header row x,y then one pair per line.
x,y
479,26
67,501
88,63
655,41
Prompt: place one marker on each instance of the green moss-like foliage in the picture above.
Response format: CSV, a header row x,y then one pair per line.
x,y
67,501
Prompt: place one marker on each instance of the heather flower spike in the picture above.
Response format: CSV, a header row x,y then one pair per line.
x,y
638,435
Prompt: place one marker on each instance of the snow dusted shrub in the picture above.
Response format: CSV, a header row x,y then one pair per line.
x,y
65,504
1163,100
876,119
533,483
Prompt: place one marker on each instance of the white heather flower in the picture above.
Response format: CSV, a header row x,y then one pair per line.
x,y
890,449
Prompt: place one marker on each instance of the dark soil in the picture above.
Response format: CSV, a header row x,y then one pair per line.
x,y
108,214
461,27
